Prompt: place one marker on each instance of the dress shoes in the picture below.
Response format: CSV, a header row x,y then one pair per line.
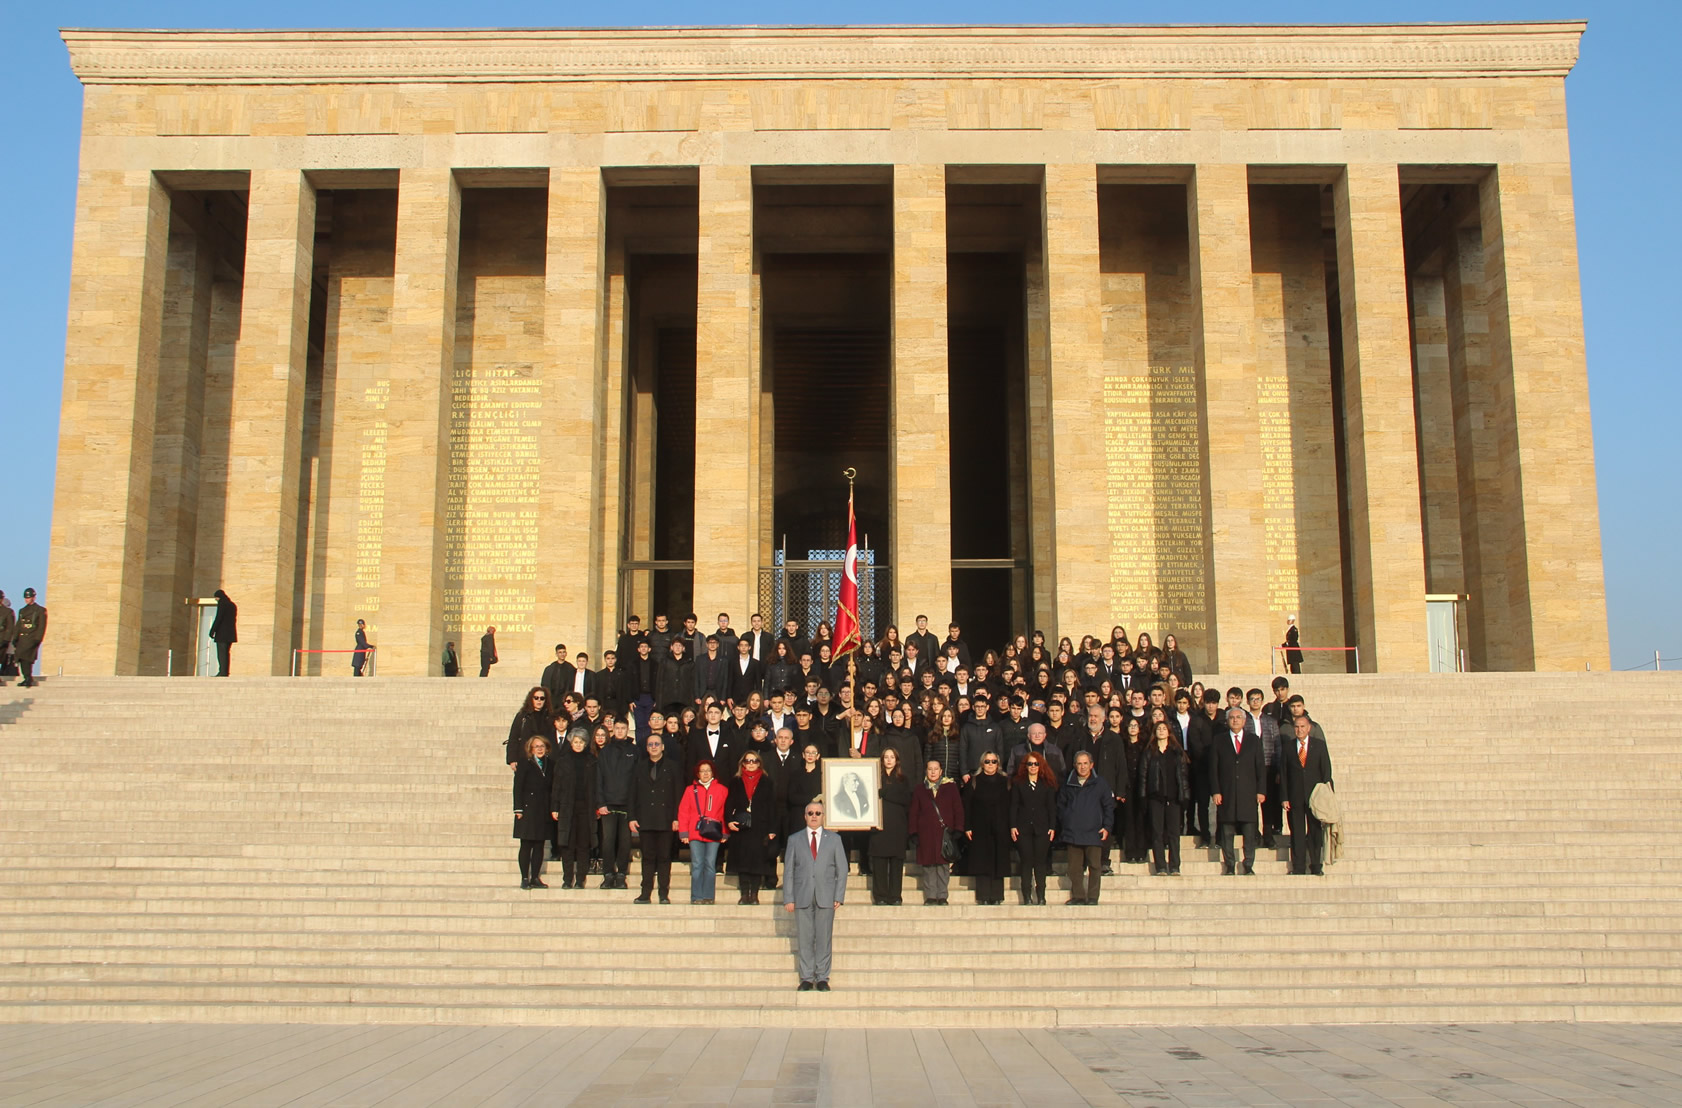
x,y
640,900
823,986
1249,871
665,900
1109,871
1174,872
1226,871
805,987
539,885
525,884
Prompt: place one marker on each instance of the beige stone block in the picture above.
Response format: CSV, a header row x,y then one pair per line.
x,y
1439,471
1079,524
267,416
1483,412
101,500
1223,332
572,394
1386,543
1294,397
422,351
727,366
1558,594
921,430
1151,420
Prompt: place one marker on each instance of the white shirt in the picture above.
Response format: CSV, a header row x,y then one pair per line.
x,y
578,682
712,741
754,635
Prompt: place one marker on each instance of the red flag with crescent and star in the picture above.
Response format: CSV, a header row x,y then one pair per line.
x,y
846,635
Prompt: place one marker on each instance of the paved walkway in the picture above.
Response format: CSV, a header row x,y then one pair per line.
x,y
187,1064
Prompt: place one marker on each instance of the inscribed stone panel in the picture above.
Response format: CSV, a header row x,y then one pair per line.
x,y
1153,459
490,538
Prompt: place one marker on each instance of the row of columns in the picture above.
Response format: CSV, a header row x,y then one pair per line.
x,y
111,370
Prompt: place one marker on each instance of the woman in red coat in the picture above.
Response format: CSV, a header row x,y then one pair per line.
x,y
935,807
703,800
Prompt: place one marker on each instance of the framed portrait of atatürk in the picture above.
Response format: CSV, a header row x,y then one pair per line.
x,y
851,794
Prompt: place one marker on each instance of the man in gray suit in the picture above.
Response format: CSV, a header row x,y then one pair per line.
x,y
814,886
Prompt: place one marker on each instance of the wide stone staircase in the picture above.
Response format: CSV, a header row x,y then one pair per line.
x,y
329,850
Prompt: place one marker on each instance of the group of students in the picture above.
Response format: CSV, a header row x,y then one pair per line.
x,y
1105,747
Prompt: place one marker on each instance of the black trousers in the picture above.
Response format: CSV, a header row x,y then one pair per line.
x,y
1308,835
616,844
1165,832
1273,808
887,878
656,859
224,653
357,660
1197,816
575,860
484,669
1135,827
1248,830
989,890
531,859
26,652
859,841
1035,852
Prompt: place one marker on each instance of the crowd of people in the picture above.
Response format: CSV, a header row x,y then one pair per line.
x,y
991,761
21,633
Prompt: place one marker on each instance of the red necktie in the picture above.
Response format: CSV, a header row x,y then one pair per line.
x,y
1238,744
814,846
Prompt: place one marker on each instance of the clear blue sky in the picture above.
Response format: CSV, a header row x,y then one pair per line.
x,y
1624,97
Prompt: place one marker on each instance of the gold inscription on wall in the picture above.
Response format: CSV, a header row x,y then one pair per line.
x,y
1273,397
370,500
490,539
1154,474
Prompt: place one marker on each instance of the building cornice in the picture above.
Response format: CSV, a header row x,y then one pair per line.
x,y
759,53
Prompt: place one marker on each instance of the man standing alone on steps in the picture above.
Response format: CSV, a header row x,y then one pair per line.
x,y
814,886
359,656
487,652
223,630
31,629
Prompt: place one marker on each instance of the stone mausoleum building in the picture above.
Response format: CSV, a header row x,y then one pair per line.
x,y
1188,329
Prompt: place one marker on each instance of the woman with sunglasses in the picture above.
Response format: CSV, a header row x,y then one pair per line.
x,y
987,827
1033,823
533,718
752,817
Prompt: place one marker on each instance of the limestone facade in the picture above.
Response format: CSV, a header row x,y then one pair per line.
x,y
396,326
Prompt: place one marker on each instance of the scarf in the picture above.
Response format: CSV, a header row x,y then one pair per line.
x,y
750,780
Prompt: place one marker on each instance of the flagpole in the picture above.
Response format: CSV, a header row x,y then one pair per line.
x,y
850,473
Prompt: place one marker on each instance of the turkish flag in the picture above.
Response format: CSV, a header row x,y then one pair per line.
x,y
846,635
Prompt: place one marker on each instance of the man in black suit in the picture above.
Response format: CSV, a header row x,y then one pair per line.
x,y
610,685
954,642
626,647
1240,788
746,675
558,676
716,744
1307,763
759,640
925,642
656,785
487,651
712,671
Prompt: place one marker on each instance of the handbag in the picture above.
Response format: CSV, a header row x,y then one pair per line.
x,y
951,847
706,827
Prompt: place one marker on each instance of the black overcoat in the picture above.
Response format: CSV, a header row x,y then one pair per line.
x,y
987,819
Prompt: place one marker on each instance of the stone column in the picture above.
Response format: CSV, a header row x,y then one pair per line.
x,y
265,432
921,480
572,404
1385,538
409,627
1075,331
1556,590
1224,345
726,396
1479,430
101,500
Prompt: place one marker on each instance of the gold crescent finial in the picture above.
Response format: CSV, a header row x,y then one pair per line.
x,y
849,473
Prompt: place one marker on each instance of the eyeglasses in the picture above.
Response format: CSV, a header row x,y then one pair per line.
x,y
750,761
